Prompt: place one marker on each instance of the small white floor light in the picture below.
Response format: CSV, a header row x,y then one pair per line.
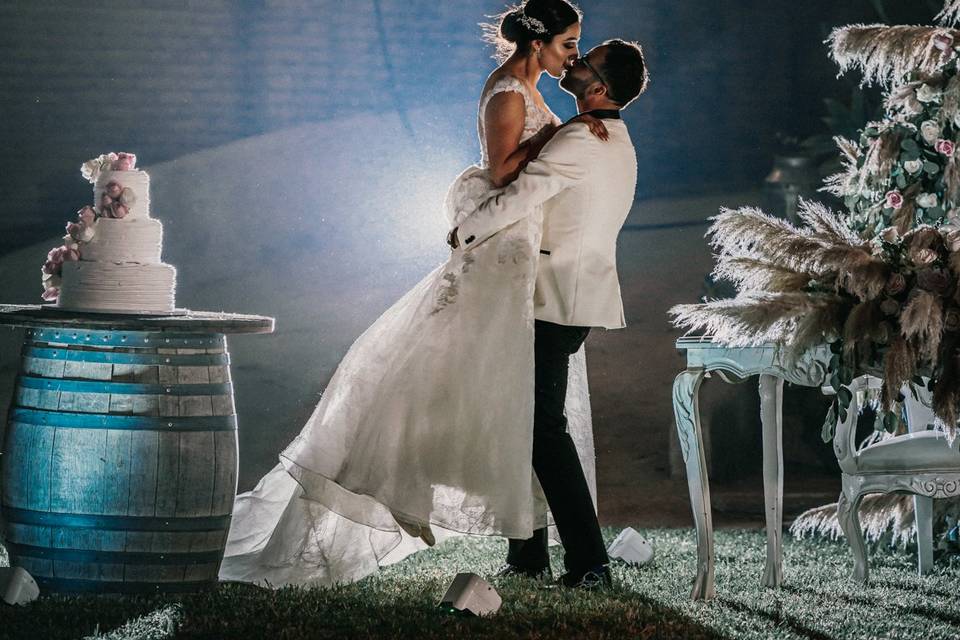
x,y
631,547
469,593
17,586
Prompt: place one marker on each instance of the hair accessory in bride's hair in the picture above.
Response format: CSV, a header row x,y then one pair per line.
x,y
531,23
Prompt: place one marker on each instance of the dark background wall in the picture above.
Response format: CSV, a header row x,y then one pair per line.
x,y
166,78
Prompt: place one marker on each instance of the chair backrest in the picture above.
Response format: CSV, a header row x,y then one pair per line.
x,y
845,437
919,412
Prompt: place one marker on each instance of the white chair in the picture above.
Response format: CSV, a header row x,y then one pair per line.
x,y
919,462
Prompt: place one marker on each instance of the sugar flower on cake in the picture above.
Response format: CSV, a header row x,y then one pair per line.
x,y
78,233
91,169
116,200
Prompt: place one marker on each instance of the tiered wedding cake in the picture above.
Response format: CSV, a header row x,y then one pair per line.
x,y
110,259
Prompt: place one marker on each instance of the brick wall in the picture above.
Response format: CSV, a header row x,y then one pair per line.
x,y
169,77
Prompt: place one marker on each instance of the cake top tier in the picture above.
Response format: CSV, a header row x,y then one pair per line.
x,y
119,189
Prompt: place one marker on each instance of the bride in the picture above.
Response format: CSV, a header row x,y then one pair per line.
x,y
428,419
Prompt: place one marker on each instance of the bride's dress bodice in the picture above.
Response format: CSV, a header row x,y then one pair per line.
x,y
535,117
473,186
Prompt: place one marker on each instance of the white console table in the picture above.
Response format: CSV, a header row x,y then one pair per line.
x,y
735,365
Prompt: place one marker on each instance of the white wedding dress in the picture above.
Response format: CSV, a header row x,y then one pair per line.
x,y
429,415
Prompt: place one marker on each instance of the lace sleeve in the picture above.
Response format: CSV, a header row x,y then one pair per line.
x,y
503,85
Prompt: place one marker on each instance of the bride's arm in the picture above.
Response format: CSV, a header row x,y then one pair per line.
x,y
503,127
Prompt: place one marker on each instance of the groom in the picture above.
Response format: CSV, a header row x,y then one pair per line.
x,y
586,188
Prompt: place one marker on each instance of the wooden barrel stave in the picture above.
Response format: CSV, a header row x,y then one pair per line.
x,y
137,472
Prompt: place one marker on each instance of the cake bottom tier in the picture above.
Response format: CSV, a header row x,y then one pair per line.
x,y
124,287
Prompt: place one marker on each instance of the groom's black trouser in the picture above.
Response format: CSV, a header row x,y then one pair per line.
x,y
556,462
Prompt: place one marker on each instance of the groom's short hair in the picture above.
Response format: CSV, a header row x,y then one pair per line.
x,y
625,71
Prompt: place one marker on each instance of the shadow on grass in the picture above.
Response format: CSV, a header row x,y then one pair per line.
x,y
377,609
925,611
778,618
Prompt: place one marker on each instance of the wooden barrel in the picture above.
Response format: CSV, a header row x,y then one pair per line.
x,y
120,460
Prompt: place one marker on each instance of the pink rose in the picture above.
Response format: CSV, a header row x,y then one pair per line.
x,y
951,320
105,200
943,42
56,254
125,162
87,215
883,332
75,230
890,307
894,199
896,284
51,294
120,211
923,257
71,255
113,190
946,147
51,268
938,281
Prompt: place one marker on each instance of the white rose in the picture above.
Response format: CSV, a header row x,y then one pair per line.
x,y
930,131
91,169
913,166
927,200
50,280
926,93
127,197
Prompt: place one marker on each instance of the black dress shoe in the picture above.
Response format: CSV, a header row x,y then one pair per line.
x,y
510,570
596,578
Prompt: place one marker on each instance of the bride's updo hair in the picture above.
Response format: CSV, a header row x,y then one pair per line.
x,y
518,26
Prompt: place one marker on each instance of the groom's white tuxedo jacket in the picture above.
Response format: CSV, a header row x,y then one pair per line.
x,y
585,186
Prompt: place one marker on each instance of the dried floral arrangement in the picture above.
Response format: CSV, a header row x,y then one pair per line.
x,y
878,283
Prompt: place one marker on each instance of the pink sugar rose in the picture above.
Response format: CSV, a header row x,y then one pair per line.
x,y
125,162
51,268
56,254
87,215
894,199
75,230
71,255
120,211
51,294
105,200
946,147
113,190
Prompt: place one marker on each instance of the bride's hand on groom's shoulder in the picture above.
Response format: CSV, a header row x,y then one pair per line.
x,y
595,125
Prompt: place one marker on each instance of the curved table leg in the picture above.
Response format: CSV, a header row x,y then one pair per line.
x,y
771,416
687,412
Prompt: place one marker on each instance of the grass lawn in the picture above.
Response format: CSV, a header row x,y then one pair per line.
x,y
817,602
